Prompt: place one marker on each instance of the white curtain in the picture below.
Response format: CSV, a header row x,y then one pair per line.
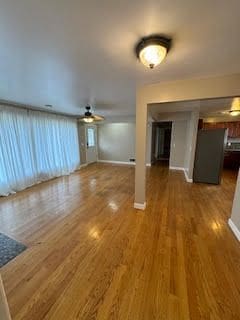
x,y
35,146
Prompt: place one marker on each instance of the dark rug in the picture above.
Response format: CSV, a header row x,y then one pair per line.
x,y
9,249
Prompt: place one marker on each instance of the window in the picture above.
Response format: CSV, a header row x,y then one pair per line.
x,y
91,137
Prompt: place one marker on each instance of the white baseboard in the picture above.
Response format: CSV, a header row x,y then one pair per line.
x,y
131,163
118,162
176,168
185,173
83,165
234,229
186,176
140,206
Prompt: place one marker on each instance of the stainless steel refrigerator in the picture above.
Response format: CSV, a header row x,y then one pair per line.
x,y
209,155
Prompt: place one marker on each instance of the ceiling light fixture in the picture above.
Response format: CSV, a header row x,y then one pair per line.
x,y
234,113
235,109
88,119
152,50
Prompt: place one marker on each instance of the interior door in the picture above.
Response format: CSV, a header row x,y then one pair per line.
x,y
209,156
91,144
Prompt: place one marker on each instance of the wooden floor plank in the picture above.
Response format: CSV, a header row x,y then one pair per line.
x,y
91,255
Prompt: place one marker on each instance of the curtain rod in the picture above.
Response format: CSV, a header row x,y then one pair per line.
x,y
33,108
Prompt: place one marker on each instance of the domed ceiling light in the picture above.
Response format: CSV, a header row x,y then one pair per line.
x,y
152,50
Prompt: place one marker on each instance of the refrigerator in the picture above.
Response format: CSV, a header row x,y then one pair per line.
x,y
209,156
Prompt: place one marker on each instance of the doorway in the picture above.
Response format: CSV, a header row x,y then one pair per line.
x,y
161,142
91,144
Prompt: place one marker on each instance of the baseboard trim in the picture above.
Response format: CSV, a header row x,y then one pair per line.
x,y
140,206
186,176
234,229
118,162
131,163
176,168
185,173
83,165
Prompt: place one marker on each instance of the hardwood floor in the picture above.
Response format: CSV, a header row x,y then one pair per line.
x,y
92,256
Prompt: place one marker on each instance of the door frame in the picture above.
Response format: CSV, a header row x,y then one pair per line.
x,y
86,141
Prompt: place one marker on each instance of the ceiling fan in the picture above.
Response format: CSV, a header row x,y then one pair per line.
x,y
88,116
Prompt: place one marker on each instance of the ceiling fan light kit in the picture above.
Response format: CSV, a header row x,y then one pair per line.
x,y
88,116
88,119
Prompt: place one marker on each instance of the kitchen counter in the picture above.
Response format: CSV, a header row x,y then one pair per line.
x,y
232,150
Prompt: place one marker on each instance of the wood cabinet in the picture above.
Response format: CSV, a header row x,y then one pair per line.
x,y
232,159
233,127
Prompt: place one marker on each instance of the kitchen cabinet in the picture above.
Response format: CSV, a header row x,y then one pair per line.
x,y
233,127
232,159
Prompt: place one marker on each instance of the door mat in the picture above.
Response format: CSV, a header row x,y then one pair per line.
x,y
9,249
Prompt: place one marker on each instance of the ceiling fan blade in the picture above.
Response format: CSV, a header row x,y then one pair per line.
x,y
98,118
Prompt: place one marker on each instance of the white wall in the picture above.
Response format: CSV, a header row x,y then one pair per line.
x,y
149,143
116,141
178,144
183,144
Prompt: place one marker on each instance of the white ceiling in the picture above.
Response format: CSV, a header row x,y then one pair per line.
x,y
71,52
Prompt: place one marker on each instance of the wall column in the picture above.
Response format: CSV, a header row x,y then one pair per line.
x,y
191,144
141,142
234,221
193,133
149,144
